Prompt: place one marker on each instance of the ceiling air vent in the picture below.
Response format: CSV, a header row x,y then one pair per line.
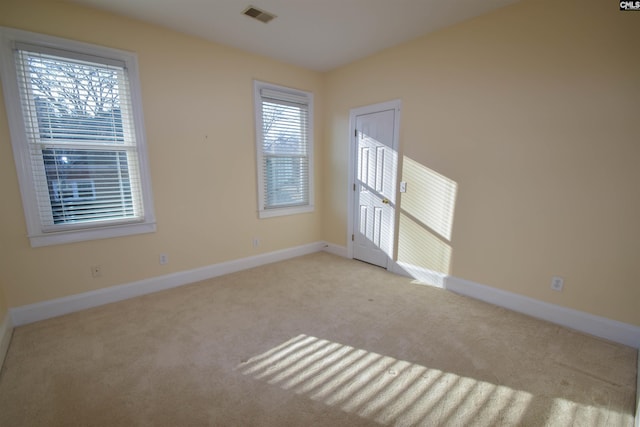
x,y
258,14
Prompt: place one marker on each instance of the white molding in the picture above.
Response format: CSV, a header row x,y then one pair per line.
x,y
39,240
57,307
420,274
334,249
602,327
6,330
270,213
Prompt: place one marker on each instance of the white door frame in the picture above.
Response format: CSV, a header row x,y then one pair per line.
x,y
352,170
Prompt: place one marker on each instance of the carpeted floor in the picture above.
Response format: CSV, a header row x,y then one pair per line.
x,y
313,341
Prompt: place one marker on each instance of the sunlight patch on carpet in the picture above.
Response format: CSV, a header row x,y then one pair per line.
x,y
391,391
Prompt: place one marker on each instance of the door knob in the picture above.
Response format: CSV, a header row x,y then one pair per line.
x,y
385,201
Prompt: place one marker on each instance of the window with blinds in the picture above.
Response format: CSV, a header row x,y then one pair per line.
x,y
283,129
80,146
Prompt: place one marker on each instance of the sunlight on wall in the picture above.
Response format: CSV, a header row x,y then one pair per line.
x,y
392,391
430,197
422,254
426,222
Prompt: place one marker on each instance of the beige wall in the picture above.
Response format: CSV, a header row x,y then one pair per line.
x,y
198,110
531,112
527,114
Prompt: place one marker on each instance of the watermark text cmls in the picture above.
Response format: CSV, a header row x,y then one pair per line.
x,y
630,5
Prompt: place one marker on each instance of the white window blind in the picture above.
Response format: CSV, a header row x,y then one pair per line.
x,y
81,139
284,148
80,149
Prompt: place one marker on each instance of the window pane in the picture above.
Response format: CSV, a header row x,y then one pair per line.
x,y
88,185
284,129
286,181
74,101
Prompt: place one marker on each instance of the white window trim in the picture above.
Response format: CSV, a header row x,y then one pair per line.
x,y
20,147
273,212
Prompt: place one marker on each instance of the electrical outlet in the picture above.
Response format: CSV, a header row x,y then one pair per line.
x,y
163,259
256,242
403,187
96,271
557,283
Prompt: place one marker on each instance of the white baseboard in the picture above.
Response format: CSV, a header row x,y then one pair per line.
x,y
602,327
57,307
420,274
336,249
6,329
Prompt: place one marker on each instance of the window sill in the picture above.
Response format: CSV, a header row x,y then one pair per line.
x,y
91,234
270,213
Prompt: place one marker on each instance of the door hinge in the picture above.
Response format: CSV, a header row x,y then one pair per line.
x,y
353,237
354,186
355,132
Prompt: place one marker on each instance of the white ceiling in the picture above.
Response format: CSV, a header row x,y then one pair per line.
x,y
317,34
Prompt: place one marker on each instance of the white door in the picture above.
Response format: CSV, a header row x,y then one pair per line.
x,y
375,184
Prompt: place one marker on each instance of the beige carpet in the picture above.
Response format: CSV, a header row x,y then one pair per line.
x,y
313,341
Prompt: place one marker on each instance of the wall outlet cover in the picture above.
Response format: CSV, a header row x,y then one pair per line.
x,y
557,283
